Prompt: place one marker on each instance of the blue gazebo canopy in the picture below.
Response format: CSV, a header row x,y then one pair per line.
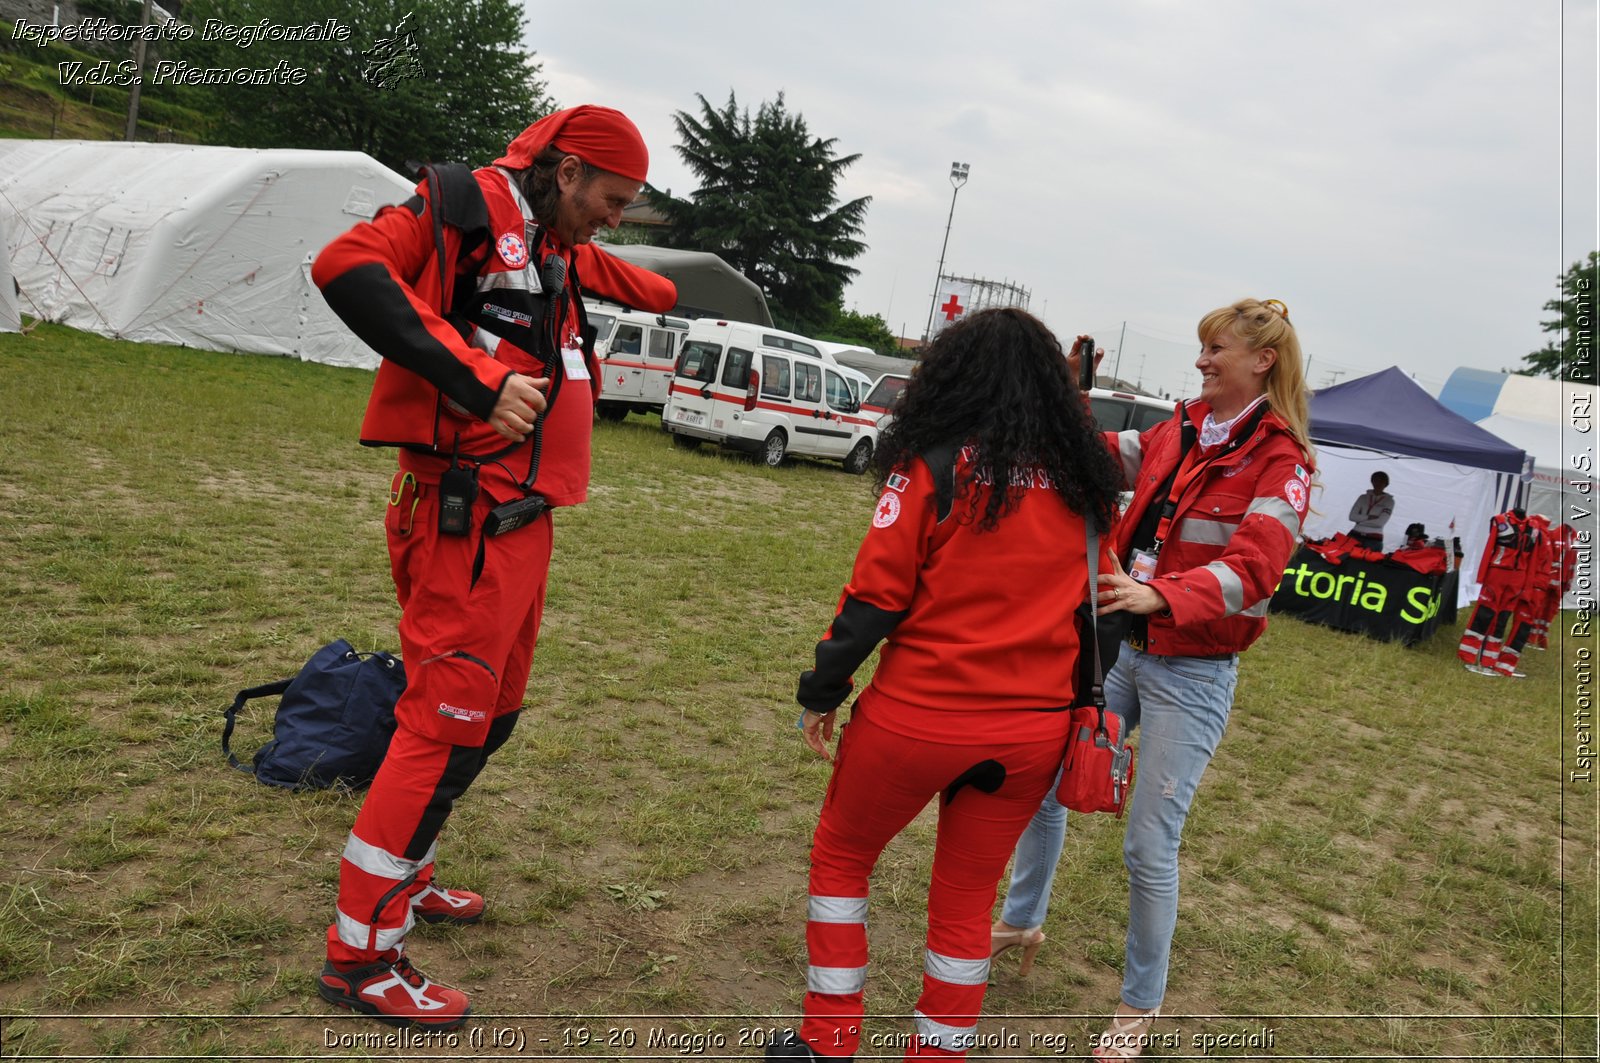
x,y
1387,411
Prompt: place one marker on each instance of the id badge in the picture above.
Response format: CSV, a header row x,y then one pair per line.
x,y
572,361
1142,566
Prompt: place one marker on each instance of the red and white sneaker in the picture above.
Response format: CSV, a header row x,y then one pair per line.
x,y
434,905
394,992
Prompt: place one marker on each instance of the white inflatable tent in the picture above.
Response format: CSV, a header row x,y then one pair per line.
x,y
195,245
10,316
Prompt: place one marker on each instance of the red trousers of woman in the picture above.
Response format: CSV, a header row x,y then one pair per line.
x,y
881,780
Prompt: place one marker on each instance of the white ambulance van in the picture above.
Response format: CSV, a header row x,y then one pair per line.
x,y
766,392
636,352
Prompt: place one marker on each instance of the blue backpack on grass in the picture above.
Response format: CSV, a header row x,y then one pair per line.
x,y
333,723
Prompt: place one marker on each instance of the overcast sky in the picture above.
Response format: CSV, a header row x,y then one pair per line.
x,y
1394,171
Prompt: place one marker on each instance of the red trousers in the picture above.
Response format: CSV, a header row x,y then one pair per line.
x,y
881,780
471,607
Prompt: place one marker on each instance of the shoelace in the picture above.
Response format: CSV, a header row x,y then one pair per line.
x,y
402,967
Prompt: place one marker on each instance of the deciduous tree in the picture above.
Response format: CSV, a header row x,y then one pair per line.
x,y
422,80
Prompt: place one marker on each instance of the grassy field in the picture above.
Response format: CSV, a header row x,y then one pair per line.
x,y
1387,858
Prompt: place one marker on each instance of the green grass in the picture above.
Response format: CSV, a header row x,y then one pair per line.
x,y
1385,858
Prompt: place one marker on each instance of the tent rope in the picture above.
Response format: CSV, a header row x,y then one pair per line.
x,y
40,240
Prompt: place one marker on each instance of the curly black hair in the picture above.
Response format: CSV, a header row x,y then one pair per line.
x,y
999,380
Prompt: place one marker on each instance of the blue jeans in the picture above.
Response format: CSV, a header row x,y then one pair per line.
x,y
1181,706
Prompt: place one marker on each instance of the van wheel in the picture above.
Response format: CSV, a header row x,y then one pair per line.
x,y
856,462
608,412
685,442
772,451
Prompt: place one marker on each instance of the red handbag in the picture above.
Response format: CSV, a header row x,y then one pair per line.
x,y
1097,775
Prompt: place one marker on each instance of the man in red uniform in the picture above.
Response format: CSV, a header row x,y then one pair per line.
x,y
1504,572
470,292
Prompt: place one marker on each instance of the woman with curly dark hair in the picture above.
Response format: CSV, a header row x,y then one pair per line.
x,y
970,575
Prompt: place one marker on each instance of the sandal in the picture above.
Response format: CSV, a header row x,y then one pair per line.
x,y
1124,1038
1028,939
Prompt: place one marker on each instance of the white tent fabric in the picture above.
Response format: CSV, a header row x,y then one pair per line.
x,y
194,245
1557,485
10,317
1432,493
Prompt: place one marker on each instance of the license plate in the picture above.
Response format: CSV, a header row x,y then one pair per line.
x,y
694,417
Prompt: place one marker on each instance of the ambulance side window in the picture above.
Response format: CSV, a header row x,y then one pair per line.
x,y
699,362
736,373
839,396
807,382
662,342
626,340
774,377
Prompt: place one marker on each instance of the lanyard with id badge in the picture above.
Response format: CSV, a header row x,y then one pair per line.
x,y
1156,524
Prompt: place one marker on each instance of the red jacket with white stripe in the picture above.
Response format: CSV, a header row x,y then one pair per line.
x,y
1234,529
438,383
1514,555
974,621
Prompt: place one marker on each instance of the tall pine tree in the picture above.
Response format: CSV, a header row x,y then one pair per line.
x,y
768,205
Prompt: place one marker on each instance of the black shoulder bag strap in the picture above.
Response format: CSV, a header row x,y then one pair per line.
x,y
941,463
266,690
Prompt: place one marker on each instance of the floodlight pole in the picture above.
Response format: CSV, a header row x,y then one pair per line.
x,y
958,177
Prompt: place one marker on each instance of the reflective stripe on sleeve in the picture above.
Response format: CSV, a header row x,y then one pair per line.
x,y
836,981
836,909
1257,610
949,1038
383,864
1131,453
1278,510
956,971
1206,532
1232,588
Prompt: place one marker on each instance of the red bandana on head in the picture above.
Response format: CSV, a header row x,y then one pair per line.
x,y
599,136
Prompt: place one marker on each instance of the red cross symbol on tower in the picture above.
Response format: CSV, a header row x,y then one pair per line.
x,y
953,308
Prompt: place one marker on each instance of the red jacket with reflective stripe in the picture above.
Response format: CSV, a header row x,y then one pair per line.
x,y
972,621
1234,530
388,274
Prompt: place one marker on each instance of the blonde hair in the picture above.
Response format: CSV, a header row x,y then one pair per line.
x,y
1265,323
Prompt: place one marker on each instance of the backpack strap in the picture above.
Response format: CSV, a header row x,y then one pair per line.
x,y
266,690
455,200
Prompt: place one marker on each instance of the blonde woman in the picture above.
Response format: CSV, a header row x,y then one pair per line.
x,y
1219,492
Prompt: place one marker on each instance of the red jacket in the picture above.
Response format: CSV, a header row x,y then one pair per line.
x,y
1515,551
437,384
974,621
1233,531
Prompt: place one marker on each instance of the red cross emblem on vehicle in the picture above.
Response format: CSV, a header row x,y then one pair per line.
x,y
620,379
